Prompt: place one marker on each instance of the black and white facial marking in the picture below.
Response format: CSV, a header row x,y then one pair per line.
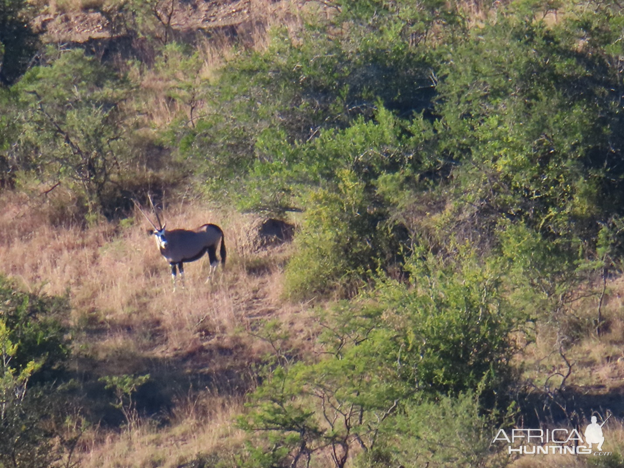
x,y
161,240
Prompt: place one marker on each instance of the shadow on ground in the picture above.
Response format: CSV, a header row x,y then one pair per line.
x,y
572,407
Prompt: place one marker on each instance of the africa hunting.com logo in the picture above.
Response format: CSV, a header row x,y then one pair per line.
x,y
554,441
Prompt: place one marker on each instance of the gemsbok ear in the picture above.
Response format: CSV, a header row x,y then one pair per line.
x,y
150,232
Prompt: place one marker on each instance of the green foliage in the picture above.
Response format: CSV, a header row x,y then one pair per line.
x,y
71,125
520,129
348,230
32,345
36,326
267,108
343,238
532,121
456,179
452,326
143,19
445,432
8,134
23,438
612,460
370,149
124,387
13,384
328,246
27,437
303,409
390,354
183,67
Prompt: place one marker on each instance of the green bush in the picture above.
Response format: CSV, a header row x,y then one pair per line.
x,y
342,240
266,109
18,42
33,347
532,123
71,124
444,432
37,325
440,338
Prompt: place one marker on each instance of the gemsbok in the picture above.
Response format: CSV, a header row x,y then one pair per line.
x,y
179,246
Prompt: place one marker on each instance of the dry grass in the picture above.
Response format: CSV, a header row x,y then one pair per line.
x,y
157,106
597,361
614,443
125,315
116,272
594,374
202,426
128,320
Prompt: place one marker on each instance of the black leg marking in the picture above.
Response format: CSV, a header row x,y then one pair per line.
x,y
181,270
173,275
212,254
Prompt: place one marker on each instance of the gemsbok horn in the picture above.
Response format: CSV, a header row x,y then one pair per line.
x,y
179,246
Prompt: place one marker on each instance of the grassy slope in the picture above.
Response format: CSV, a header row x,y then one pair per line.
x,y
198,344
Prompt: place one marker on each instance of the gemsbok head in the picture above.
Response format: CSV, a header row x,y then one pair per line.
x,y
179,246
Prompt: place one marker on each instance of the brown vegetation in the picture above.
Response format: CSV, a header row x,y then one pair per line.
x,y
199,344
198,340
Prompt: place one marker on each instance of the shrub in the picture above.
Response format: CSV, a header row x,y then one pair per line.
x,y
18,42
71,126
36,324
267,108
32,347
442,338
446,431
343,239
531,122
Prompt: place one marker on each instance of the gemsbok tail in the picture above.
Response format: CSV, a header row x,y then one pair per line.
x,y
223,251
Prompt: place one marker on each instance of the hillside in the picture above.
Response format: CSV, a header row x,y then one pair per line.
x,y
80,23
422,209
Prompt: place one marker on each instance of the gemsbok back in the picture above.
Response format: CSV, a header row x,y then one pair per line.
x,y
179,246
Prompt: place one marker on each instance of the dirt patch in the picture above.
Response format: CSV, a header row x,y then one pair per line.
x,y
73,27
186,16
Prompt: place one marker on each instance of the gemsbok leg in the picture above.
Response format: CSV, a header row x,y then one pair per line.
x,y
214,263
180,268
173,275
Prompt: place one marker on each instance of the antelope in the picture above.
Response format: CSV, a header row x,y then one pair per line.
x,y
179,246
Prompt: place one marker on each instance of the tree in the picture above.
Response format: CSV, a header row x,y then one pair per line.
x,y
265,110
532,123
444,335
72,127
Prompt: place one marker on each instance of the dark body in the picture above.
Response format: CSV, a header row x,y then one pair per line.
x,y
180,246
